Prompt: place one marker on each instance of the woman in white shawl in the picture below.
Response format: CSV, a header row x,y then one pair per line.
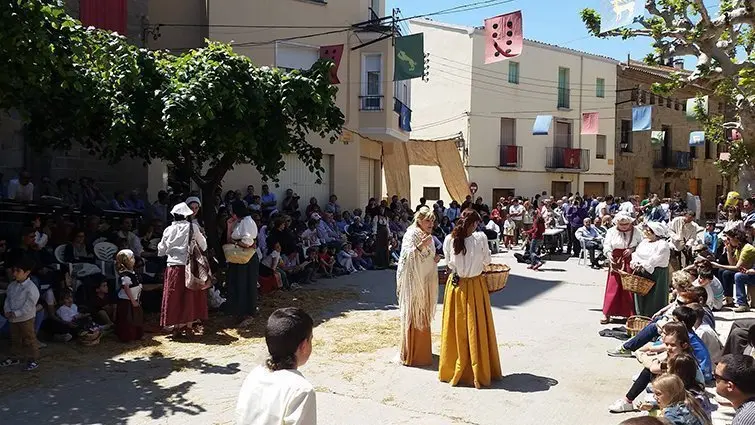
x,y
651,260
417,289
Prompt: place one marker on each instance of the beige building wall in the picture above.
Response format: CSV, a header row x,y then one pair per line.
x,y
481,95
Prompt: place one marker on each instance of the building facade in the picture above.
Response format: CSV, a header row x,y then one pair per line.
x,y
671,165
495,106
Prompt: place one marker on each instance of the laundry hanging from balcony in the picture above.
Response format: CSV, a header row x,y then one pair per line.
x,y
572,157
697,138
619,13
657,137
333,53
732,134
542,125
104,14
642,118
409,58
590,123
504,37
404,117
692,105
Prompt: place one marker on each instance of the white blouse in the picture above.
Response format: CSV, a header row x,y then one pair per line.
x,y
136,291
175,242
477,257
620,240
650,255
245,231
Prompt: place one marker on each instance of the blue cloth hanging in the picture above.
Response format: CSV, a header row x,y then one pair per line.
x,y
542,125
697,138
642,117
405,118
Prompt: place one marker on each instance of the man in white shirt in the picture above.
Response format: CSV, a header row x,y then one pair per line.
x,y
603,207
682,233
277,393
588,234
21,189
516,212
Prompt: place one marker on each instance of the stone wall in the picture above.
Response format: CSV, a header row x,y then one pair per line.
x,y
639,162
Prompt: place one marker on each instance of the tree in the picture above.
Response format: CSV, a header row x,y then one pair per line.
x,y
724,46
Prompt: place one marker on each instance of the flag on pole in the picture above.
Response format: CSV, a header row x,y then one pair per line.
x,y
542,125
697,138
503,37
409,57
692,105
619,13
642,117
590,123
334,54
656,137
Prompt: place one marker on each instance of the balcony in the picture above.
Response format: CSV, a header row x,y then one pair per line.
x,y
371,103
564,94
404,115
510,156
676,160
568,160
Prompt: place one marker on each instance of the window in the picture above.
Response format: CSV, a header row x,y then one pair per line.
x,y
708,149
693,152
514,72
563,88
508,132
600,147
600,87
626,136
374,10
431,193
372,84
290,57
652,99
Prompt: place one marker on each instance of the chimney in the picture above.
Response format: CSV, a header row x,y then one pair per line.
x,y
679,63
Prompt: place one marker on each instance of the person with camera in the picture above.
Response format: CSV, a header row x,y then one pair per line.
x,y
290,202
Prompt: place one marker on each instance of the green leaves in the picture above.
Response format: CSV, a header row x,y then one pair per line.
x,y
591,18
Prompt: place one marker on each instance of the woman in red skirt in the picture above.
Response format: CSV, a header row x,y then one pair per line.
x,y
129,319
620,242
181,307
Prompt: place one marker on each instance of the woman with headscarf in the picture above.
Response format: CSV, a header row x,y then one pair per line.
x,y
195,204
181,307
651,260
382,236
619,243
468,347
417,289
242,278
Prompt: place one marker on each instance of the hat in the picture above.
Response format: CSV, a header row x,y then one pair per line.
x,y
732,198
622,218
658,228
193,199
182,209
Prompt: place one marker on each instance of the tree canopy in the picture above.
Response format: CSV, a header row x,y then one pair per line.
x,y
724,45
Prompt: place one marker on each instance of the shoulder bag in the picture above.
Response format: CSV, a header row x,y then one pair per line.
x,y
198,273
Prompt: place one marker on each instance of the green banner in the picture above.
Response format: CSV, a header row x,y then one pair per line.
x,y
410,57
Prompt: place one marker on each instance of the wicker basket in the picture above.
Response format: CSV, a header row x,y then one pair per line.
x,y
636,323
633,283
235,254
496,276
442,275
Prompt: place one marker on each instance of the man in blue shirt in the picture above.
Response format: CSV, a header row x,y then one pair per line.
x,y
269,203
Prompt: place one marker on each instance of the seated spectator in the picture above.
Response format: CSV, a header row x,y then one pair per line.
x,y
66,193
590,237
21,189
363,259
340,221
303,273
346,258
269,201
134,203
735,381
715,290
133,242
310,236
101,305
290,202
741,339
326,234
69,314
492,230
91,196
678,406
332,206
313,208
326,261
272,265
41,238
686,368
644,420
77,251
707,334
159,209
256,204
119,202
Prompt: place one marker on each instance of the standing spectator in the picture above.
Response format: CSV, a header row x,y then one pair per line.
x,y
195,204
119,202
536,242
242,278
269,202
290,202
516,212
332,206
735,381
380,229
21,309
181,307
453,212
604,208
249,194
159,209
682,233
21,189
129,317
575,217
422,203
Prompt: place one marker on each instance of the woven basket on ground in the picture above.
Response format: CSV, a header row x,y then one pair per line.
x,y
634,283
496,276
636,323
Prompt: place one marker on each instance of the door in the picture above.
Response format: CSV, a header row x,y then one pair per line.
x,y
695,186
596,189
366,179
641,186
501,193
303,182
560,189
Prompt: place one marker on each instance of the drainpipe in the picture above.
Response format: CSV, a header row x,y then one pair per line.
x,y
579,116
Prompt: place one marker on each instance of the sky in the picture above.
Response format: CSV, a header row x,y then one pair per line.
x,y
550,21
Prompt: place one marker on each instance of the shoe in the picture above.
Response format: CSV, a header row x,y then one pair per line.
x,y
31,366
9,362
728,302
620,352
295,286
63,337
742,309
621,406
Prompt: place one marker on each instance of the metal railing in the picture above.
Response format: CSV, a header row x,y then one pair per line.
x,y
510,156
567,159
679,160
564,95
371,103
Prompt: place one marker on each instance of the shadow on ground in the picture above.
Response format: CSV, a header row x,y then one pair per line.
x,y
525,383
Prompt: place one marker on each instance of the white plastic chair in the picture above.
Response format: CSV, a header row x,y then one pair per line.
x,y
99,240
60,254
494,245
582,253
105,253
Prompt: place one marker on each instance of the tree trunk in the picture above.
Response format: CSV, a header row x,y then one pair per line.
x,y
209,216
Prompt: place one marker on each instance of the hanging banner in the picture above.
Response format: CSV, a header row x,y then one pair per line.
x,y
697,138
405,118
409,57
692,105
657,137
542,125
590,123
572,157
333,53
619,13
503,37
642,117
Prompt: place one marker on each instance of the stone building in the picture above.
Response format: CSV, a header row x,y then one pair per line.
x,y
671,165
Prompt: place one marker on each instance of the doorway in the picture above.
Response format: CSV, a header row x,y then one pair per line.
x,y
501,193
667,146
596,189
560,189
641,185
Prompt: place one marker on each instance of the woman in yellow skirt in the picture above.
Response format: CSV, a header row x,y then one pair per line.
x,y
469,350
417,289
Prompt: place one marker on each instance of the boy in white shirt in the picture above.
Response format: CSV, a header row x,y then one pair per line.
x,y
20,309
713,287
276,393
709,335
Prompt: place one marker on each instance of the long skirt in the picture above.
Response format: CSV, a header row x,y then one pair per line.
x,y
468,348
181,305
417,347
242,287
381,247
617,302
129,321
657,298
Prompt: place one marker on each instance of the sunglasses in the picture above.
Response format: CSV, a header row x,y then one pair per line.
x,y
718,377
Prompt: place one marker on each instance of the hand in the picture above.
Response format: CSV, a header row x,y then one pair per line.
x,y
750,272
437,258
627,254
135,303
